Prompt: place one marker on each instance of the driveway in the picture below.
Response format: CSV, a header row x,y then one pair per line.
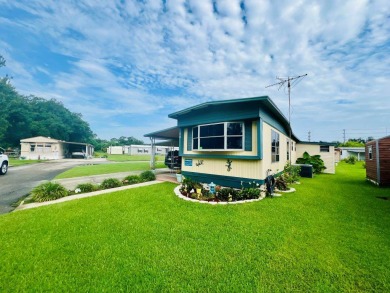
x,y
19,181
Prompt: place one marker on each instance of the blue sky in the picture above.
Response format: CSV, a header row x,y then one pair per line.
x,y
125,65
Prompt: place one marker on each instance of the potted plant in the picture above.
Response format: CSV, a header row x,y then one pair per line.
x,y
179,177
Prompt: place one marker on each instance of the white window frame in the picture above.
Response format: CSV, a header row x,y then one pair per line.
x,y
275,156
225,136
288,150
370,152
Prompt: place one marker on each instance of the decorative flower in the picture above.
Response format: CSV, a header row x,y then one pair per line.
x,y
77,190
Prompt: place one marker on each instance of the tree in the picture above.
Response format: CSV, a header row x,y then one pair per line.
x,y
353,143
27,116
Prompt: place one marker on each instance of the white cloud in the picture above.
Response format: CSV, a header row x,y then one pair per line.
x,y
133,53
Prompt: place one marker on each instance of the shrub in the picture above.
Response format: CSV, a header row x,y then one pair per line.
x,y
291,173
280,183
248,193
351,160
364,165
86,187
132,179
110,183
227,193
48,191
189,184
147,176
315,161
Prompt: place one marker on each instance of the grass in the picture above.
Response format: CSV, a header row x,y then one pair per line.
x,y
89,170
124,158
17,162
332,235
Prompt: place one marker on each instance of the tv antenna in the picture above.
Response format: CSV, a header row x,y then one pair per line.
x,y
281,83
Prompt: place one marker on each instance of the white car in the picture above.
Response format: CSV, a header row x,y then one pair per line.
x,y
3,162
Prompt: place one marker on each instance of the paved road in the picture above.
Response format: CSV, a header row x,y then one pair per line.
x,y
19,181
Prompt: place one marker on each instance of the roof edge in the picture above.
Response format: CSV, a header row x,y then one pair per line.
x,y
218,102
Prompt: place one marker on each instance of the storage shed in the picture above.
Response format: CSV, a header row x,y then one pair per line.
x,y
378,161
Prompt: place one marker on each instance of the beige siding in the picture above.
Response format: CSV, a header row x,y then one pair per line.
x,y
253,169
267,163
314,149
42,150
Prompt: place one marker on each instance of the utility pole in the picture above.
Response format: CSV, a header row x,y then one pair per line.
x,y
281,83
344,135
308,136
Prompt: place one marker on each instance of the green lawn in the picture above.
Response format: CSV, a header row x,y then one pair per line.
x,y
332,235
17,162
88,170
123,158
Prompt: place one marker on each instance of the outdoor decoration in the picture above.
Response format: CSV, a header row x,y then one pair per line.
x,y
229,165
212,187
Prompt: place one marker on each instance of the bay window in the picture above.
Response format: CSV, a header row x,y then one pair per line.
x,y
224,136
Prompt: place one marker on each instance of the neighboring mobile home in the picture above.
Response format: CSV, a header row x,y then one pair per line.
x,y
378,161
139,149
46,148
358,152
234,142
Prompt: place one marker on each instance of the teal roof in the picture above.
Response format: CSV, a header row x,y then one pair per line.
x,y
319,143
254,107
177,114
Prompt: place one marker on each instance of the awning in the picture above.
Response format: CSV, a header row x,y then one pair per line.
x,y
168,136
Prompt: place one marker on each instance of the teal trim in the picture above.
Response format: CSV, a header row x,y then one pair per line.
x,y
189,138
181,142
248,135
269,119
260,138
222,156
226,181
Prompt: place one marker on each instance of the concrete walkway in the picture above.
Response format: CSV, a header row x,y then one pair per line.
x,y
163,174
82,195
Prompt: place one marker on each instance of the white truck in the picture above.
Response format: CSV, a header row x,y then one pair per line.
x,y
3,162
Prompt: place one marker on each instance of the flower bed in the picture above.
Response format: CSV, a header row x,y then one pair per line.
x,y
214,201
201,192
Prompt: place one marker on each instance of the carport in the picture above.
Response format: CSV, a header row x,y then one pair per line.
x,y
80,149
169,137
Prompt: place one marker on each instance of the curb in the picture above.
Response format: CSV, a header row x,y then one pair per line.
x,y
83,195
